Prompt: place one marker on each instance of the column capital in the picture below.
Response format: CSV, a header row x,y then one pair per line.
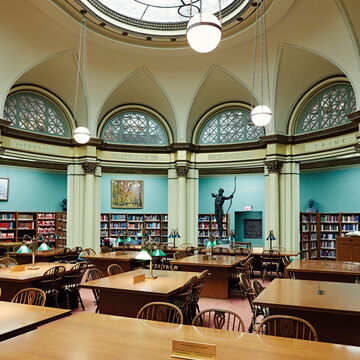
x,y
357,147
90,167
273,166
181,170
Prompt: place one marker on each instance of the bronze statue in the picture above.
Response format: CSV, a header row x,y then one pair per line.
x,y
219,213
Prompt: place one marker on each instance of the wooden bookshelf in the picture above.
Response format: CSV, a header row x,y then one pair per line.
x,y
207,226
114,224
318,232
14,225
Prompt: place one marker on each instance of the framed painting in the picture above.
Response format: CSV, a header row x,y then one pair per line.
x,y
127,194
4,189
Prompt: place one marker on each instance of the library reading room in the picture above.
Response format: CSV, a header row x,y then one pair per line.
x,y
180,179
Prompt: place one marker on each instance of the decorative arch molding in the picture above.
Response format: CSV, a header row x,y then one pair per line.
x,y
136,107
53,99
210,114
308,96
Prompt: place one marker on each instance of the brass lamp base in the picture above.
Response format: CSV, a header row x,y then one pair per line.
x,y
33,268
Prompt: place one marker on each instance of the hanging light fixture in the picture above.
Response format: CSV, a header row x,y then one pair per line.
x,y
81,134
261,114
204,30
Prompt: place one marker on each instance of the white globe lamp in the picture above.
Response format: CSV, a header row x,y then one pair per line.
x,y
203,32
261,115
82,135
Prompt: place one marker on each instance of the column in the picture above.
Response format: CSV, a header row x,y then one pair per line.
x,y
182,171
172,201
272,203
192,205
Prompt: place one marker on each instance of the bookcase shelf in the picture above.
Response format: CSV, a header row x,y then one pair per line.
x,y
207,226
318,232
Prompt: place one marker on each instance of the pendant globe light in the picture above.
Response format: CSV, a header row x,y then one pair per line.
x,y
81,134
261,114
204,30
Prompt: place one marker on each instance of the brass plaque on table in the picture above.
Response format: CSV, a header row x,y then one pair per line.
x,y
18,268
193,350
205,257
139,278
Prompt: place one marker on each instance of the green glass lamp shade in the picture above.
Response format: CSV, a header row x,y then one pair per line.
x,y
41,238
43,247
23,249
171,236
139,235
210,243
143,255
158,252
177,235
129,239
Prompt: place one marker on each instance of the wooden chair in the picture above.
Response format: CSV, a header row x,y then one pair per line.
x,y
161,311
257,287
190,249
30,296
7,262
130,247
95,274
178,255
221,250
61,255
279,248
185,245
104,249
245,267
73,255
241,251
51,282
114,269
287,326
89,251
270,262
219,319
286,262
195,296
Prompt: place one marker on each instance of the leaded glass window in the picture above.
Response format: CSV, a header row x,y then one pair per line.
x,y
230,126
327,109
134,127
32,112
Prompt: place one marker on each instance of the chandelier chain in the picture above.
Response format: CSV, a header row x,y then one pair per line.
x,y
266,57
191,5
255,59
262,52
220,16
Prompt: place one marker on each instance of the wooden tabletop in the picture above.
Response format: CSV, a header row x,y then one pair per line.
x,y
94,336
129,255
337,297
6,274
166,282
220,261
16,319
325,266
43,253
9,244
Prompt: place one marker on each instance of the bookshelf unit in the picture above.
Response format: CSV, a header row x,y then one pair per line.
x,y
112,225
207,226
14,225
318,232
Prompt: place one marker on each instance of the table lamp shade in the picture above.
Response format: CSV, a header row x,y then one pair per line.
x,y
143,255
23,249
158,252
44,247
128,239
210,243
139,235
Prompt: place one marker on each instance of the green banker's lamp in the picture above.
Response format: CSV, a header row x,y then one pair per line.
x,y
124,240
174,234
44,246
24,249
211,243
144,255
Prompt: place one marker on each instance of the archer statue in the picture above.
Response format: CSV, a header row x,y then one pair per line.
x,y
219,213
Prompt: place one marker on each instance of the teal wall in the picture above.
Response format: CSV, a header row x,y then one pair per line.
x,y
335,190
240,216
155,193
250,191
34,189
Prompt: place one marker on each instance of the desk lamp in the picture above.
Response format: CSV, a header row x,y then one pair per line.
x,y
271,237
44,246
144,255
211,243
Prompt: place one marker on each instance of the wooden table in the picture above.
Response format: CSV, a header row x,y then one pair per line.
x,y
16,319
9,245
217,285
94,336
40,256
324,270
335,314
119,296
102,261
13,281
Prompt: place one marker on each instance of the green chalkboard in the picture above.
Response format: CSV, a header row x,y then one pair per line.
x,y
253,228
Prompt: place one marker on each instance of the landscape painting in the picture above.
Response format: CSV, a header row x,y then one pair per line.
x,y
4,189
127,194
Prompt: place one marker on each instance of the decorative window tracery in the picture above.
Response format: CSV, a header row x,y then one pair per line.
x,y
134,127
33,112
327,109
230,126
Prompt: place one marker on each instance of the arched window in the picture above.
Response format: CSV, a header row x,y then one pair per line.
x,y
33,112
327,109
230,126
134,127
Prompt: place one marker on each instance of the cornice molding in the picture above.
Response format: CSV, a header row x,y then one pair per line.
x,y
354,116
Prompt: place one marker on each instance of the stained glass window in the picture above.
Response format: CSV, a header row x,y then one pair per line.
x,y
134,127
327,109
230,126
33,112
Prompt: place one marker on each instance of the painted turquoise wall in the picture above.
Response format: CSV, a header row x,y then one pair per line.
x,y
34,189
335,190
155,193
250,191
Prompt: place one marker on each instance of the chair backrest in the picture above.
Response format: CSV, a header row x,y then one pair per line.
x,y
286,261
179,255
257,287
185,245
219,319
30,296
7,262
279,248
287,326
94,274
241,251
114,269
89,251
105,249
246,283
63,251
161,311
201,279
130,247
73,278
76,249
51,279
270,256
221,250
190,249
